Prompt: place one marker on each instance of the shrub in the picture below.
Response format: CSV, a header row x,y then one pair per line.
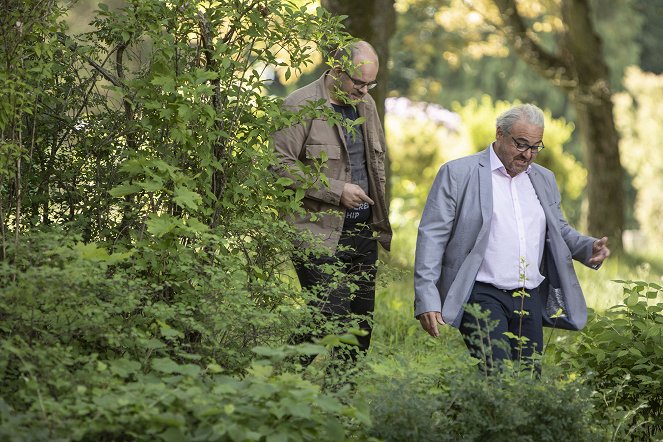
x,y
143,250
620,355
176,402
468,407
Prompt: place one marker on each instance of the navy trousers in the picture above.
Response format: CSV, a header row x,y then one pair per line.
x,y
491,346
356,256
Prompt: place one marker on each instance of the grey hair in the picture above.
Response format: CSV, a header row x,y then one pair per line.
x,y
527,112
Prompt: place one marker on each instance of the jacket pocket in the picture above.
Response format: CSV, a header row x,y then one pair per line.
x,y
323,152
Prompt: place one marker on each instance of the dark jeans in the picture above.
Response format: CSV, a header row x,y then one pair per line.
x,y
356,256
494,347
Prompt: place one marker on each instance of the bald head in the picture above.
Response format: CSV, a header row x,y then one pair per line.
x,y
358,53
354,72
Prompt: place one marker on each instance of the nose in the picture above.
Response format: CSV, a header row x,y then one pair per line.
x,y
528,154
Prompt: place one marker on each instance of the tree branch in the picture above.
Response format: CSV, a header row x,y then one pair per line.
x,y
71,45
551,66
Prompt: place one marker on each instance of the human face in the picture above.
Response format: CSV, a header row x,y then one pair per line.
x,y
365,73
515,161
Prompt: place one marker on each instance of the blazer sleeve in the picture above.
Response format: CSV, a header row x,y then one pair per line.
x,y
579,245
435,228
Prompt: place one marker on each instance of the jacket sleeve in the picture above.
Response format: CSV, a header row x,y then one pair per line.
x,y
435,229
580,245
288,145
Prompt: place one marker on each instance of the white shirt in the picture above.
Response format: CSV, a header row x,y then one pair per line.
x,y
517,231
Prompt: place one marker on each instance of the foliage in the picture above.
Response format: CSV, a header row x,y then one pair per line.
x,y
468,407
88,345
144,248
125,400
638,120
143,253
620,355
409,361
475,59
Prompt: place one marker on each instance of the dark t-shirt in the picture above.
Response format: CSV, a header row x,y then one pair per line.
x,y
354,140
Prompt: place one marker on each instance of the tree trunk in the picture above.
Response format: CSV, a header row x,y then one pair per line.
x,y
605,192
593,103
375,22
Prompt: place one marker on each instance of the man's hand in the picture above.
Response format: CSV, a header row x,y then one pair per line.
x,y
429,321
353,196
600,251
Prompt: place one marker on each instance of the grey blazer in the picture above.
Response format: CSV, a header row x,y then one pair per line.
x,y
453,235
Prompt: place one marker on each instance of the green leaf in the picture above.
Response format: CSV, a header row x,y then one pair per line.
x,y
278,437
186,199
299,194
632,300
167,83
298,409
196,225
349,339
154,185
173,434
92,252
283,181
165,365
123,190
124,367
190,370
159,225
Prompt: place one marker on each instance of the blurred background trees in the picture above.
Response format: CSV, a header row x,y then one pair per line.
x,y
145,287
568,57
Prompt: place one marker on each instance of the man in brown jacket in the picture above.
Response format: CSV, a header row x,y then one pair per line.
x,y
348,213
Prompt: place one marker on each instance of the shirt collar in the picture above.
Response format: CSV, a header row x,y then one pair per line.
x,y
496,163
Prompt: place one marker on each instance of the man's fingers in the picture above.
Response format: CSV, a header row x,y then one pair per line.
x,y
601,243
429,321
432,329
353,196
600,251
366,198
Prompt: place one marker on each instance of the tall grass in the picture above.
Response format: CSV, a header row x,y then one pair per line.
x,y
399,343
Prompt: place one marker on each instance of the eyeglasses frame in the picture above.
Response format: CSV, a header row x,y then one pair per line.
x,y
358,84
522,147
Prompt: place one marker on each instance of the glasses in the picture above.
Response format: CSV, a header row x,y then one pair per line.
x,y
522,147
358,84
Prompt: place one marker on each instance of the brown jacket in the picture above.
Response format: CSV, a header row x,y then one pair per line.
x,y
306,141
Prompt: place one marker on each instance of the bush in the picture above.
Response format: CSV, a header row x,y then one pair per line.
x,y
143,247
620,355
172,402
468,407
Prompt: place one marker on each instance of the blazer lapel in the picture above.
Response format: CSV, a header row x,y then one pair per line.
x,y
485,192
540,187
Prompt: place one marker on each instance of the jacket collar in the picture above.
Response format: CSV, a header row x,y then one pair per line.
x,y
485,191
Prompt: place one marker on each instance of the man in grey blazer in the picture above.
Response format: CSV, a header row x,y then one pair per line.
x,y
492,226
